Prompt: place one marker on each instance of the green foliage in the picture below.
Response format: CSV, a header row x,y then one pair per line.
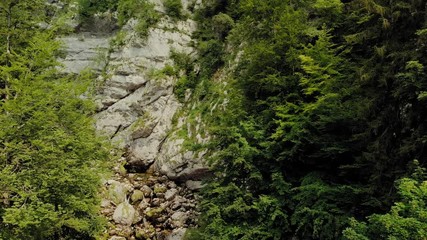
x,y
51,159
330,96
88,8
322,210
50,156
118,40
173,8
141,10
407,219
187,78
222,24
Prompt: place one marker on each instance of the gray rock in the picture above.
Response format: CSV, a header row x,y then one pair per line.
x,y
137,195
171,184
155,202
117,192
84,51
177,234
170,194
194,185
130,92
146,190
143,204
179,219
117,238
143,132
124,214
105,203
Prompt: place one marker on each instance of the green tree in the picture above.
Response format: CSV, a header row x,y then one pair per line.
x,y
50,161
407,218
331,99
50,157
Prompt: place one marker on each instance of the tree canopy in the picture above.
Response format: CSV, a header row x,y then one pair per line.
x,y
325,121
50,157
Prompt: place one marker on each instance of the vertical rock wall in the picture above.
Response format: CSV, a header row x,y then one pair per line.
x,y
136,106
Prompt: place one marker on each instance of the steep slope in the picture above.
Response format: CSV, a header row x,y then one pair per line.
x,y
136,107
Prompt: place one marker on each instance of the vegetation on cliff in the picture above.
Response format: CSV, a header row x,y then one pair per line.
x,y
317,111
324,133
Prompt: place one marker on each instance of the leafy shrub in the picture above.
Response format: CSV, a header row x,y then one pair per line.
x,y
211,51
173,8
189,80
406,219
222,24
87,8
183,61
141,10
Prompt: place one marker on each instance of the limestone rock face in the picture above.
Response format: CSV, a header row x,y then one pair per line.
x,y
84,51
135,109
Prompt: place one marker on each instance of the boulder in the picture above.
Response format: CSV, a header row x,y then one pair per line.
x,y
193,185
170,194
146,190
117,192
153,212
137,195
177,234
124,214
117,238
179,219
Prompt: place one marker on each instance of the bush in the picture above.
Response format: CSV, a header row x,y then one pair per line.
x,y
222,24
173,8
141,10
88,8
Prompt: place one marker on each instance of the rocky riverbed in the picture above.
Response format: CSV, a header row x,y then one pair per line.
x,y
148,206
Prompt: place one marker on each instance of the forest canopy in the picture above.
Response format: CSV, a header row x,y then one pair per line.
x,y
324,136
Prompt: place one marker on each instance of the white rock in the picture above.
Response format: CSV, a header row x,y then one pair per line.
x,y
193,185
84,52
179,219
117,238
117,192
105,203
124,214
177,234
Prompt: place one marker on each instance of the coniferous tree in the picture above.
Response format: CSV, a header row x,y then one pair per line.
x,y
50,157
333,97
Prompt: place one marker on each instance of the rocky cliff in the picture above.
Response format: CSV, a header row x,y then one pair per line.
x,y
150,196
